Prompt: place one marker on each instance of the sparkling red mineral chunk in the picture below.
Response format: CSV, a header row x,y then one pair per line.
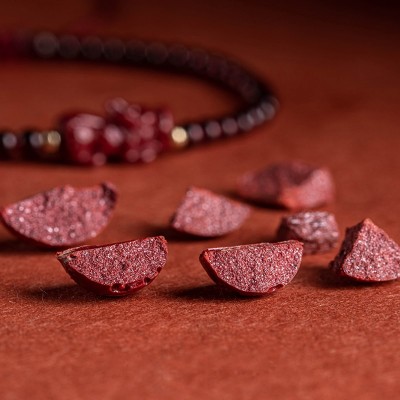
x,y
116,269
62,216
368,254
317,230
206,214
294,185
253,269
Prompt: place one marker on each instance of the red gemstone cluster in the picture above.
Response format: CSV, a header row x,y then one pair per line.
x,y
127,132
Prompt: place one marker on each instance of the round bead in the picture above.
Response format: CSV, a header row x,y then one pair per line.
x,y
198,60
12,145
70,47
213,129
135,51
245,122
42,144
45,45
258,115
178,56
229,126
269,107
114,50
92,48
179,137
156,53
196,133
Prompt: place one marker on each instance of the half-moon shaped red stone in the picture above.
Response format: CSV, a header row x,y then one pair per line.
x,y
63,216
116,269
254,269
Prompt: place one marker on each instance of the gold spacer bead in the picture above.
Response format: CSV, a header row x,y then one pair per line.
x,y
51,142
179,137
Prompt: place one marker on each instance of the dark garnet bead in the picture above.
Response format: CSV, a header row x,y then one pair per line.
x,y
41,145
70,47
156,54
196,133
114,50
178,56
12,145
81,133
92,48
213,129
45,45
32,142
245,122
135,51
229,126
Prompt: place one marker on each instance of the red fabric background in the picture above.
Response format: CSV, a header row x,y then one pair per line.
x,y
335,69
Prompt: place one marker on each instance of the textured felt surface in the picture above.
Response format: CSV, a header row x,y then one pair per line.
x,y
335,68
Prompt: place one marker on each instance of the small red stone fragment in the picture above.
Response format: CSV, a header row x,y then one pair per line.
x,y
206,214
317,230
254,269
116,269
62,216
368,254
293,185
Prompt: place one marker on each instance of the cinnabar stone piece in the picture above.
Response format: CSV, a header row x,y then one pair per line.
x,y
368,254
62,216
294,185
206,214
317,230
116,269
254,269
81,132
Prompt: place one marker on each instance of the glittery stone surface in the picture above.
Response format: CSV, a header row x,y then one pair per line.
x,y
206,214
62,216
368,254
293,185
317,230
254,269
117,269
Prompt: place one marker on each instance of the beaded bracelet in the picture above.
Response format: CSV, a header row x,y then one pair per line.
x,y
128,132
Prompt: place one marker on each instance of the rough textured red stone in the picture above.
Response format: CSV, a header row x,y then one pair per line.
x,y
317,230
368,254
293,185
206,214
116,269
254,269
62,216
